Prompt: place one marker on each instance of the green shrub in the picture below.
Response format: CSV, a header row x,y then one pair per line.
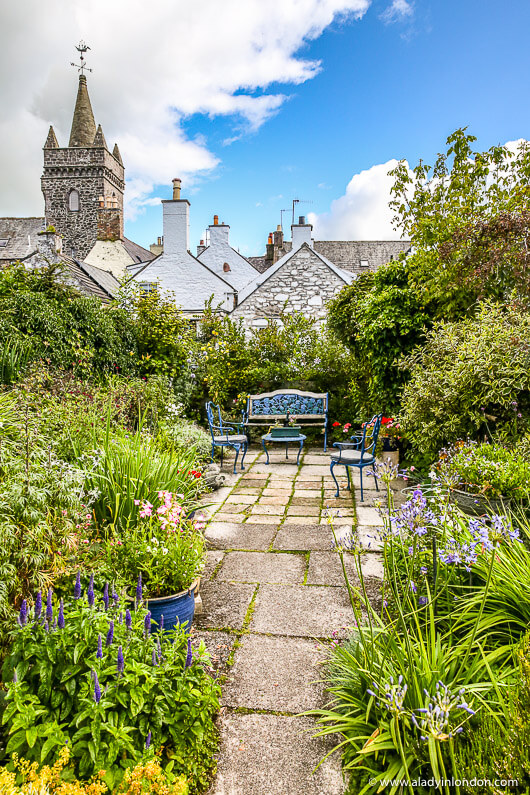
x,y
90,673
182,434
471,378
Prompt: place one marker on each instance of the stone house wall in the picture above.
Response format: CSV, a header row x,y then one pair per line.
x,y
302,284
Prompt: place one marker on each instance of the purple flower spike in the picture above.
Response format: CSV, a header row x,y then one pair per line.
x,y
99,652
147,624
77,588
154,658
162,623
38,605
110,634
148,741
115,596
189,656
128,619
97,689
60,620
121,661
49,606
23,615
90,593
106,596
139,589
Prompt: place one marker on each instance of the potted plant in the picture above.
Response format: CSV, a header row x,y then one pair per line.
x,y
286,429
162,556
482,477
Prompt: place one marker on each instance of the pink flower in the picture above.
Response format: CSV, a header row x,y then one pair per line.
x,y
137,502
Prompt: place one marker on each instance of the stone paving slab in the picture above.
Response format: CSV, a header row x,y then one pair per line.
x,y
325,568
274,755
226,535
229,517
254,475
241,499
302,611
213,558
225,604
308,520
255,490
268,510
303,510
280,674
309,501
368,516
218,645
276,468
303,537
267,500
233,507
306,492
263,518
370,538
273,492
262,567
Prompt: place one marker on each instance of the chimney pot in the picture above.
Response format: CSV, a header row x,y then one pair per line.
x,y
201,243
269,241
215,220
301,220
176,188
279,228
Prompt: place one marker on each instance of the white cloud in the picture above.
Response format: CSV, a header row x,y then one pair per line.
x,y
398,10
363,212
154,64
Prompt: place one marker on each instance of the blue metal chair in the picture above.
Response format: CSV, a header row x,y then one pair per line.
x,y
359,452
226,434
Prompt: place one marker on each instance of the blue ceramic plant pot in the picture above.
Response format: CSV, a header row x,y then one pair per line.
x,y
176,609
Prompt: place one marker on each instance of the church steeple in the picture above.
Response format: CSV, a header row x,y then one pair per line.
x,y
83,125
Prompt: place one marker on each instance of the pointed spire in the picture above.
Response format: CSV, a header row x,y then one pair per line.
x,y
99,138
116,153
83,124
51,140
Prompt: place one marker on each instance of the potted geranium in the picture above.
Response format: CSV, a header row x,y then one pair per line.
x,y
161,556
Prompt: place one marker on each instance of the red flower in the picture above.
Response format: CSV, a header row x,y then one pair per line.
x,y
336,424
386,420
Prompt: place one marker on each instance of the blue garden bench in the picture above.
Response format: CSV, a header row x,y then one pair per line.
x,y
359,452
306,408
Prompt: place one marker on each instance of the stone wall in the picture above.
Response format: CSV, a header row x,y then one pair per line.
x,y
93,172
302,284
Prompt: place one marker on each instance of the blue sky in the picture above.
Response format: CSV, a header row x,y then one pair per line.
x,y
319,98
386,90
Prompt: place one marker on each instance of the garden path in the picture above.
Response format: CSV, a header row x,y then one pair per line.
x,y
274,598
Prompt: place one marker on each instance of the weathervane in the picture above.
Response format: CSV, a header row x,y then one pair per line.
x,y
81,49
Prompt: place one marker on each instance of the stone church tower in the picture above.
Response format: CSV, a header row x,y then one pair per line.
x,y
83,183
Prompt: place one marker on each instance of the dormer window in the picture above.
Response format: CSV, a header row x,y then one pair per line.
x,y
73,201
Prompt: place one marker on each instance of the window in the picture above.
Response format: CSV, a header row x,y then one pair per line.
x,y
148,287
363,263
226,267
73,201
3,242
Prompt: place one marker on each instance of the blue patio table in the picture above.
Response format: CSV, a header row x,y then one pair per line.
x,y
299,439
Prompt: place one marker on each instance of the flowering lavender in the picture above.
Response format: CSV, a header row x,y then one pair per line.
x,y
99,652
128,619
189,655
60,619
106,596
38,606
115,596
139,589
90,593
110,634
49,606
154,658
121,661
77,587
97,689
23,614
391,695
438,717
148,741
147,624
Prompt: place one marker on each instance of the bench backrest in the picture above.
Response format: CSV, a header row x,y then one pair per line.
x,y
297,403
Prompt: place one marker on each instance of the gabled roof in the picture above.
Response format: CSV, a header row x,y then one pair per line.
x,y
261,278
91,280
136,252
21,235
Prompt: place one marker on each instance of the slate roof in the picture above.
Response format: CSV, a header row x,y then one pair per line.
x,y
347,254
21,235
136,252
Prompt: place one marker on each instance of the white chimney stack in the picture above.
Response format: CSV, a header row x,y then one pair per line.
x,y
176,222
301,233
